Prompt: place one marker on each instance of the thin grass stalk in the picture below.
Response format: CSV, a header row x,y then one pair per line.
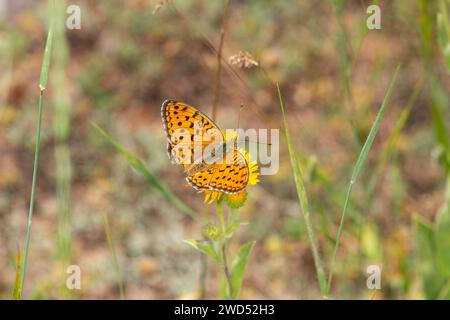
x,y
219,60
364,31
140,167
61,133
112,248
33,191
303,199
445,15
427,10
357,170
232,70
345,52
42,85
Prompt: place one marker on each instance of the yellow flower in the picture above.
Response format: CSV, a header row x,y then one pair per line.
x,y
236,200
211,195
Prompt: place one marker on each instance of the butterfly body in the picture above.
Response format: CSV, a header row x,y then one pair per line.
x,y
210,161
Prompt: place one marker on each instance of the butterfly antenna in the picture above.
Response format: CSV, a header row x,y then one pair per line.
x,y
246,139
258,142
238,123
239,114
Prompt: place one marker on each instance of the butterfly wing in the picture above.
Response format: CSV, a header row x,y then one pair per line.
x,y
227,177
183,124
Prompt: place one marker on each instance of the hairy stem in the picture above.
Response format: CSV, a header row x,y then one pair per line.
x,y
223,248
203,274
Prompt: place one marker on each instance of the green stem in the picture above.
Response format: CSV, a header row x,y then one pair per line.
x,y
445,17
339,235
33,191
42,85
220,215
203,274
223,247
112,248
303,199
206,214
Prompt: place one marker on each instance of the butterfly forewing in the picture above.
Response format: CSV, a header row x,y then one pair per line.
x,y
188,132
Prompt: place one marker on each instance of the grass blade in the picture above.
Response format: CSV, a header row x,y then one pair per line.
x,y
42,85
400,124
17,283
357,170
442,233
303,199
439,98
444,31
439,101
394,137
112,248
139,166
61,123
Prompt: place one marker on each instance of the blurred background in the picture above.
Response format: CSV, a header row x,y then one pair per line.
x,y
129,56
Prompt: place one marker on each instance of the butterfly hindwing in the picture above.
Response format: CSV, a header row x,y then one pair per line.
x,y
227,177
200,180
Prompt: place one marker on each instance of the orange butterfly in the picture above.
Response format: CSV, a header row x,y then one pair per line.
x,y
190,133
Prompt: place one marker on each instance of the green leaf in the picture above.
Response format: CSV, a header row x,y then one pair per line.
x,y
139,166
238,268
373,131
398,127
442,234
439,96
427,268
232,227
443,21
206,247
442,237
223,288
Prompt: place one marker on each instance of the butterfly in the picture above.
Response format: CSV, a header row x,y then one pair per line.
x,y
190,133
